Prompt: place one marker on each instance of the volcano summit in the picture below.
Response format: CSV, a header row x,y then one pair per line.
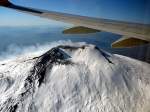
x,y
74,78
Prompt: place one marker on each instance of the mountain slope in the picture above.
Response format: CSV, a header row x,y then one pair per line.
x,y
75,78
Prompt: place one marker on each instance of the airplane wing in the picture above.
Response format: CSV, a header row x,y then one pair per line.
x,y
138,33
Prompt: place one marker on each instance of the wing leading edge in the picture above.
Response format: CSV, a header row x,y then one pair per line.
x,y
131,30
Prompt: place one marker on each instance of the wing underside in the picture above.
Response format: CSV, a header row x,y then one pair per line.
x,y
90,25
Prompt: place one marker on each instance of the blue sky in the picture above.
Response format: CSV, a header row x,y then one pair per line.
x,y
126,10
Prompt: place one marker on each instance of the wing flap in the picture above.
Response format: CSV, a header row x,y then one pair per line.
x,y
128,42
80,30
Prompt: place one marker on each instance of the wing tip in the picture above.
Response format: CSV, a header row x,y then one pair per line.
x,y
5,3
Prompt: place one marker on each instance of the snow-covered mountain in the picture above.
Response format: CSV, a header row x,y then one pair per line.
x,y
74,78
